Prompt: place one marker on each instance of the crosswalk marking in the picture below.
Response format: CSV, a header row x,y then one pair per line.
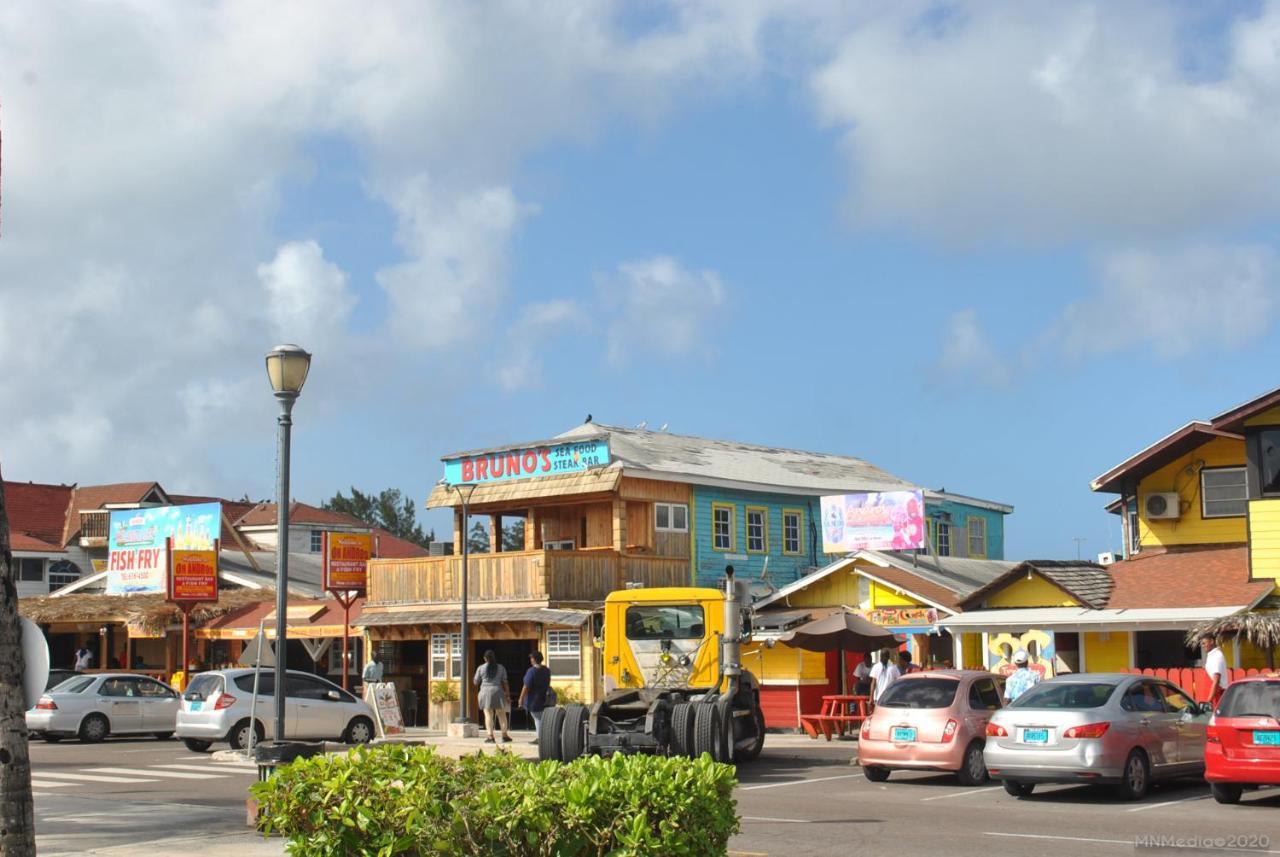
x,y
93,778
205,768
43,784
153,772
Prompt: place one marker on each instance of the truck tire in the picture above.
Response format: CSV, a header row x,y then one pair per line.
x,y
682,716
707,735
549,734
727,748
753,752
573,732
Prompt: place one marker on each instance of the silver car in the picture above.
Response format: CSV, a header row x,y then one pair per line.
x,y
95,706
1120,729
217,706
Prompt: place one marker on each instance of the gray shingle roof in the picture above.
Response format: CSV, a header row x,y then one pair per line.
x,y
1089,582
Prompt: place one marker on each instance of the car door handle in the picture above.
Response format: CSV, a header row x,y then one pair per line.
x,y
1146,721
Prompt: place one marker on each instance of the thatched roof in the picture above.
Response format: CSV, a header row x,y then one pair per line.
x,y
151,612
1262,628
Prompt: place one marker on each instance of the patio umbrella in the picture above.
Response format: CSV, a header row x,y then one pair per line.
x,y
843,631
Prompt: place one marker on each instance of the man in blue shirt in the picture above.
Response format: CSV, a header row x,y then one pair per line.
x,y
1022,679
533,696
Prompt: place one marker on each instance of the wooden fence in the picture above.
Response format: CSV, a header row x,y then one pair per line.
x,y
1194,680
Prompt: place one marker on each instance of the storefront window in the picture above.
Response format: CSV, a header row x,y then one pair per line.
x,y
446,648
564,653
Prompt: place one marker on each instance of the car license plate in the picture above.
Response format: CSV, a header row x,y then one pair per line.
x,y
195,705
904,733
1266,739
1035,736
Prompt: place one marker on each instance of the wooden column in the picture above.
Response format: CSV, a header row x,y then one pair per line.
x,y
619,525
532,531
459,531
495,533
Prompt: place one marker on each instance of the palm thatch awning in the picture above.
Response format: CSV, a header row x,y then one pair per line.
x,y
149,613
1261,628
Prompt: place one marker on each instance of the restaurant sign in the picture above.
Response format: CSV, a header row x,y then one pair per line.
x,y
899,617
345,559
551,460
892,520
137,552
193,574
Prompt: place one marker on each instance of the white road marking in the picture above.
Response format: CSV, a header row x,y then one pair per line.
x,y
220,769
1147,806
93,778
44,784
776,820
797,782
152,772
964,793
1128,842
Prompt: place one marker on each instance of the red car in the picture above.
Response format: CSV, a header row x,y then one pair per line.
x,y
1243,739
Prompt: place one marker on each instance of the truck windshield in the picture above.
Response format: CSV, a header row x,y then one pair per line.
x,y
668,622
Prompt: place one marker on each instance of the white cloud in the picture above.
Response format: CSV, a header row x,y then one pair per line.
x,y
967,354
662,308
539,325
307,295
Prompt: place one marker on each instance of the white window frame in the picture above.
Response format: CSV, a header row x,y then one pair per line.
x,y
942,532
981,553
762,513
731,542
317,541
1244,487
447,648
563,645
671,517
23,560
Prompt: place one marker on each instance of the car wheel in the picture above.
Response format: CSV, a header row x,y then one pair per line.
x,y
359,731
51,739
1226,792
1019,789
875,773
573,732
549,734
195,745
974,770
94,729
239,736
162,736
1136,778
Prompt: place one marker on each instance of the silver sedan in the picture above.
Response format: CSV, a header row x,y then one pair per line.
x,y
1120,729
95,706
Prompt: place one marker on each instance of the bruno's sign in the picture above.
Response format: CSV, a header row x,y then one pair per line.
x,y
552,460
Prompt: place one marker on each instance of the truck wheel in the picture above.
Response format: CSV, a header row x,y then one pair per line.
x,y
728,733
682,716
707,735
549,734
573,732
753,752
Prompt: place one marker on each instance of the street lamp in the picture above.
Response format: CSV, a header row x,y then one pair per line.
x,y
287,367
464,491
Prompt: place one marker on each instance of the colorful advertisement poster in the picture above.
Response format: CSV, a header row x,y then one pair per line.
x,y
551,460
1039,646
346,561
193,574
892,520
137,560
896,617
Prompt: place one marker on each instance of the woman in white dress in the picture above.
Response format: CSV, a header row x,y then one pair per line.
x,y
495,696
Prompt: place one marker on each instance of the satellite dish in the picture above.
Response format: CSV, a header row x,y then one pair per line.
x,y
35,658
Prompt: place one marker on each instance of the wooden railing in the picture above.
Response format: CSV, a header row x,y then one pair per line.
x,y
557,576
95,525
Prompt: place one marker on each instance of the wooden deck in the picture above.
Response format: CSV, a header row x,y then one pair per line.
x,y
554,576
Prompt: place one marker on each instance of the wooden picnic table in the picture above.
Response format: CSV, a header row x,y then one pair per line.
x,y
841,714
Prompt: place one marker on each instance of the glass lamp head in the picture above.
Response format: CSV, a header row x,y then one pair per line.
x,y
287,367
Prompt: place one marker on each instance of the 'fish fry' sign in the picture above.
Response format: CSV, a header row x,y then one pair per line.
x,y
346,561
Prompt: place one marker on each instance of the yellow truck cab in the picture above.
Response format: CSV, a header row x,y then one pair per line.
x,y
663,637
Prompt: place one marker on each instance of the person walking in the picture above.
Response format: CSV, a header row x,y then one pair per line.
x,y
495,695
883,674
1215,664
1021,680
862,675
84,658
533,696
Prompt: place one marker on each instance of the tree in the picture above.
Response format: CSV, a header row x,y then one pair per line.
x,y
513,536
391,510
478,541
17,813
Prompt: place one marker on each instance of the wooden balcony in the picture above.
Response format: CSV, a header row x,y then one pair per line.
x,y
95,526
551,576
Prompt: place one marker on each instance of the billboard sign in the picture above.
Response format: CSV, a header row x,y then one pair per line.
x,y
890,520
345,558
551,460
138,559
193,574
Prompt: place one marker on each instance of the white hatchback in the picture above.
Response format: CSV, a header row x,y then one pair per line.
x,y
217,706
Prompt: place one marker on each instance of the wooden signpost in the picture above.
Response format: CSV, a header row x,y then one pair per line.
x,y
345,563
192,579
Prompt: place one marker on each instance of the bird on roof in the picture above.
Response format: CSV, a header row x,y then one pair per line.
x,y
588,419
642,424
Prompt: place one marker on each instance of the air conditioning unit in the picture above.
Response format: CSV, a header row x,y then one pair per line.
x,y
1166,505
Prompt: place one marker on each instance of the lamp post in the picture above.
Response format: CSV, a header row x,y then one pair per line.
x,y
287,367
464,491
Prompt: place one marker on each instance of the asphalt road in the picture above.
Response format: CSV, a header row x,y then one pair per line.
x,y
799,798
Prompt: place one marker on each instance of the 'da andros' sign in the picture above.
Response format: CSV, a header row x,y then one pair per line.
x,y
550,460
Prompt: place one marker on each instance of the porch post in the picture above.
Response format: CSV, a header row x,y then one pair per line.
x,y
459,530
619,525
495,533
532,536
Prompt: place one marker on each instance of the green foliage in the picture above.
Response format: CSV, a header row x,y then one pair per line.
x,y
396,799
444,691
567,695
390,510
478,541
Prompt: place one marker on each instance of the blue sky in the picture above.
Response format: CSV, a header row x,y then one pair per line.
x,y
991,249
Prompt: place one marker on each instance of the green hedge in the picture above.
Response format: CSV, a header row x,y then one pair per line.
x,y
396,799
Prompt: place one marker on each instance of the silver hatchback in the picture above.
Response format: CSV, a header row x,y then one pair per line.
x,y
218,706
1120,729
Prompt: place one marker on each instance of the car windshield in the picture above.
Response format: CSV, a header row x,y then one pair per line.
x,y
1251,699
74,685
203,687
1065,695
920,693
674,622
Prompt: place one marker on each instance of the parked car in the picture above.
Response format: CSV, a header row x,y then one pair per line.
x,y
95,706
217,706
1120,729
57,677
1243,738
931,721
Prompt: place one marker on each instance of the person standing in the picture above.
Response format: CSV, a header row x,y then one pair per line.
x,y
1022,679
495,695
372,673
1215,664
883,674
84,658
904,662
533,696
862,675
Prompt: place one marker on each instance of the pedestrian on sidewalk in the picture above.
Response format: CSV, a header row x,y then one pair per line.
x,y
1021,680
533,696
84,658
883,674
495,695
1215,664
372,669
862,675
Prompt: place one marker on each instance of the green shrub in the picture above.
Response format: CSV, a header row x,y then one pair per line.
x,y
395,799
444,691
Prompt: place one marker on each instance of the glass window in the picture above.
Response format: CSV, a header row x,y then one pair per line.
x,y
983,695
920,693
722,527
1135,535
1174,700
446,648
154,689
1223,492
266,683
30,569
1065,695
671,517
564,653
757,531
1251,699
308,687
977,527
662,516
61,573
317,541
792,527
74,685
680,517
1143,696
119,687
943,543
665,622
1269,443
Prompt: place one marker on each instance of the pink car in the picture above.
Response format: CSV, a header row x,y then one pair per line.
x,y
931,721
